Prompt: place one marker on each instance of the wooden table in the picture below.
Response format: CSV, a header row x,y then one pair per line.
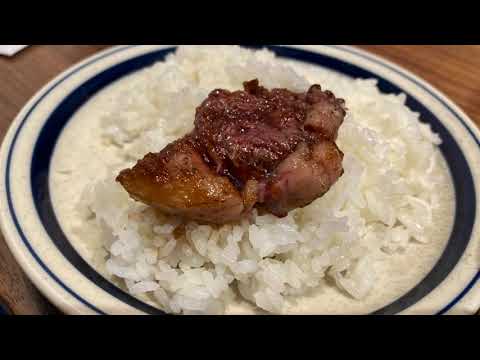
x,y
455,70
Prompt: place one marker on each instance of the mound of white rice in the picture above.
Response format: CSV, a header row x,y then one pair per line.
x,y
383,202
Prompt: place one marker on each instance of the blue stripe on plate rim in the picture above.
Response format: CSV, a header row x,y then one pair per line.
x,y
303,55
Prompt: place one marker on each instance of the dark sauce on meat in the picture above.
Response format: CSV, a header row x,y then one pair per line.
x,y
246,134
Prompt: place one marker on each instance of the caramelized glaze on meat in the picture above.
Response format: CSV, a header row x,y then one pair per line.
x,y
178,182
247,133
273,149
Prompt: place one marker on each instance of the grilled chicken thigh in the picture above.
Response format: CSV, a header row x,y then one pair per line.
x,y
271,149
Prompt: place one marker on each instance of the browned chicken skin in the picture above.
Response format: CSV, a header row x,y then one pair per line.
x,y
178,182
272,149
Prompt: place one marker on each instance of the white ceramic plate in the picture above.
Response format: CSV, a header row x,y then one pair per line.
x,y
41,246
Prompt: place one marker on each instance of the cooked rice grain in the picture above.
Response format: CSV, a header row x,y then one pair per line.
x,y
383,202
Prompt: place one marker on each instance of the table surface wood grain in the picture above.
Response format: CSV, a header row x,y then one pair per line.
x,y
455,70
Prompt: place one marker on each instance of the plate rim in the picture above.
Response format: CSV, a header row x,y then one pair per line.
x,y
9,138
44,285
